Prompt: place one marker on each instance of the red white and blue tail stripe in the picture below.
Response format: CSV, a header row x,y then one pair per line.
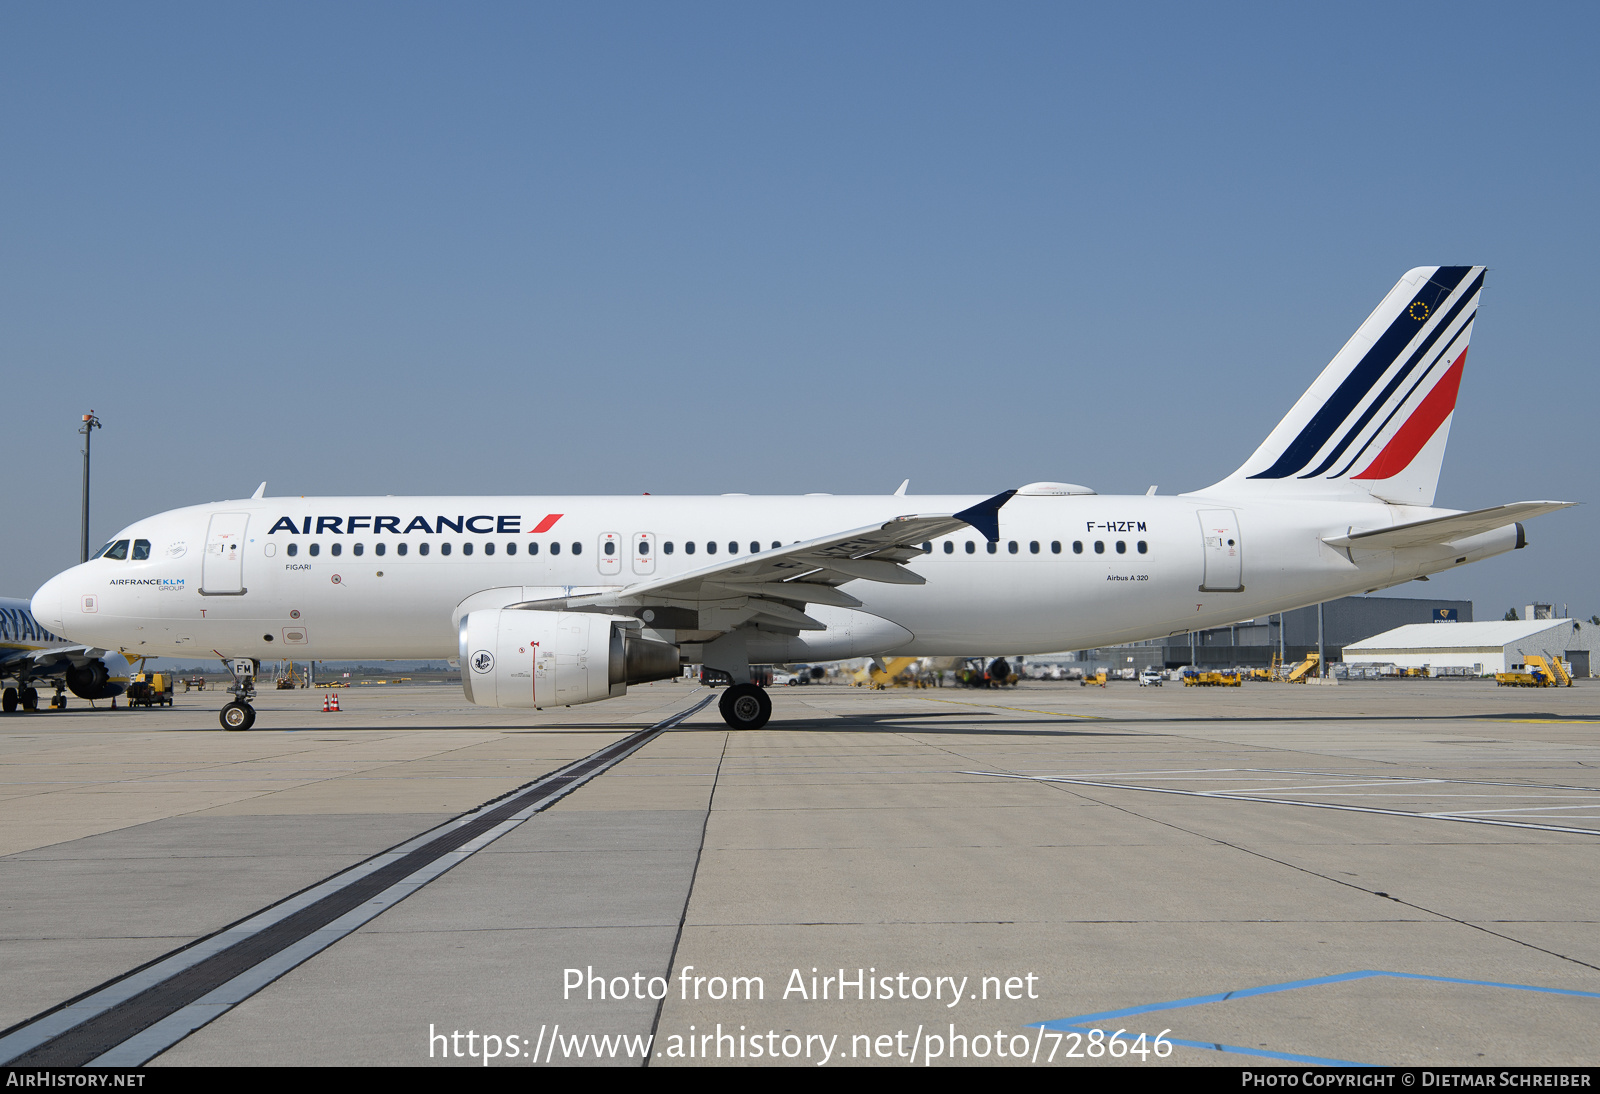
x,y
1376,421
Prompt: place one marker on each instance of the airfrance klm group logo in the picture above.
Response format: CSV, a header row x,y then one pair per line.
x,y
483,524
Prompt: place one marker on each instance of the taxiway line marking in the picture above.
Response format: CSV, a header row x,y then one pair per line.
x,y
131,1019
1228,795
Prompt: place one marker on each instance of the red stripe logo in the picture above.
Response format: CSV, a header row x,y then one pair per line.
x,y
1419,428
546,524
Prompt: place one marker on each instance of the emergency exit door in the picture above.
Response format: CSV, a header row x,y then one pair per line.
x,y
1224,557
222,567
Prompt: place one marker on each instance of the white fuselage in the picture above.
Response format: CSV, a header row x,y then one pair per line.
x,y
340,578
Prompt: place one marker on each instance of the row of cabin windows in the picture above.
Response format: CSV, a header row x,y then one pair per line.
x,y
1012,547
401,548
119,549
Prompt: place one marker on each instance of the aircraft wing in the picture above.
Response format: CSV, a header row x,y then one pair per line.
x,y
1425,533
776,585
47,662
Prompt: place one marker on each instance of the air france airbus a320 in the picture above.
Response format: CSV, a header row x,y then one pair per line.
x,y
552,601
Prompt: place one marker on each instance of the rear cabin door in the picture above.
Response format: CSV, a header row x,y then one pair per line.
x,y
1224,558
222,569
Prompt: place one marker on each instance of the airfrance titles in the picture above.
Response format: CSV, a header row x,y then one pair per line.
x,y
483,524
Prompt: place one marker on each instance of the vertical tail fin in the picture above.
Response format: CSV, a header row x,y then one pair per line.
x,y
1375,423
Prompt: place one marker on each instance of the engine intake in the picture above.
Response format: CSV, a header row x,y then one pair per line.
x,y
514,658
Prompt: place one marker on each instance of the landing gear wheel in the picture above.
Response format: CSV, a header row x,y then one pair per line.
x,y
745,706
237,715
8,700
58,702
30,699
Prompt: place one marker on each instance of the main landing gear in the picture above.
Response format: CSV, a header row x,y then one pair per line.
x,y
745,706
239,714
24,697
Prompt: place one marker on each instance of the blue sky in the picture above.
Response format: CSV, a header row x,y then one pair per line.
x,y
404,248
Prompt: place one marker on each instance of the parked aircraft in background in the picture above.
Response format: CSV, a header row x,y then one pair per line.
x,y
31,655
552,601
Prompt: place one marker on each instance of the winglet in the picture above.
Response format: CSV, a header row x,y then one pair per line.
x,y
985,516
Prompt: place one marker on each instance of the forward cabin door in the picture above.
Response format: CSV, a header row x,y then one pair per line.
x,y
222,568
1224,557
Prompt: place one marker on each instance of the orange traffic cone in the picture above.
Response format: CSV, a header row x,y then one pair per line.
x,y
326,698
336,702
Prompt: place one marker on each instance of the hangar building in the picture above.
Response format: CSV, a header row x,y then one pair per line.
x,y
1483,647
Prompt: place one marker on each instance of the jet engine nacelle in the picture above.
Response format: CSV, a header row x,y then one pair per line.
x,y
91,680
514,658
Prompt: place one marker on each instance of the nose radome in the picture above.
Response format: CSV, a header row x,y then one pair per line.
x,y
47,603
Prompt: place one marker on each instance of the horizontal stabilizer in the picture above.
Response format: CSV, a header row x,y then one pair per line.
x,y
1424,533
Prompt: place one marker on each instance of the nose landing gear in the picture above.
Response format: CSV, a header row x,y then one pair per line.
x,y
239,714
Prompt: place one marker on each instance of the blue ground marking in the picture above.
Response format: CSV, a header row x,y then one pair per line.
x,y
1083,1022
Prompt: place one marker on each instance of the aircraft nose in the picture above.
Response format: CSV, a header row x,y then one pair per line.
x,y
48,603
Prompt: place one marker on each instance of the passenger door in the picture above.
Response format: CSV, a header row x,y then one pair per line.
x,y
1224,556
222,568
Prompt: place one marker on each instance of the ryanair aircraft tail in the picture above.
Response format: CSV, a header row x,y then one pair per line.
x,y
1375,423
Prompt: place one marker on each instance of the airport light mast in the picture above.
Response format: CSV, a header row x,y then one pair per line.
x,y
90,424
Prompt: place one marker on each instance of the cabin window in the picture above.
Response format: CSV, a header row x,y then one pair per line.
x,y
755,548
972,548
555,548
711,547
610,548
316,549
688,548
992,546
1033,547
1099,546
1143,547
1122,546
776,545
1055,546
466,548
511,548
949,547
733,548
1012,546
422,548
533,546
294,549
1077,546
665,547
577,548
400,548
488,548
379,549
337,549
358,550
444,548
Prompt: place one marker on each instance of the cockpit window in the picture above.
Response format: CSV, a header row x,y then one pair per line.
x,y
118,550
100,552
141,549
